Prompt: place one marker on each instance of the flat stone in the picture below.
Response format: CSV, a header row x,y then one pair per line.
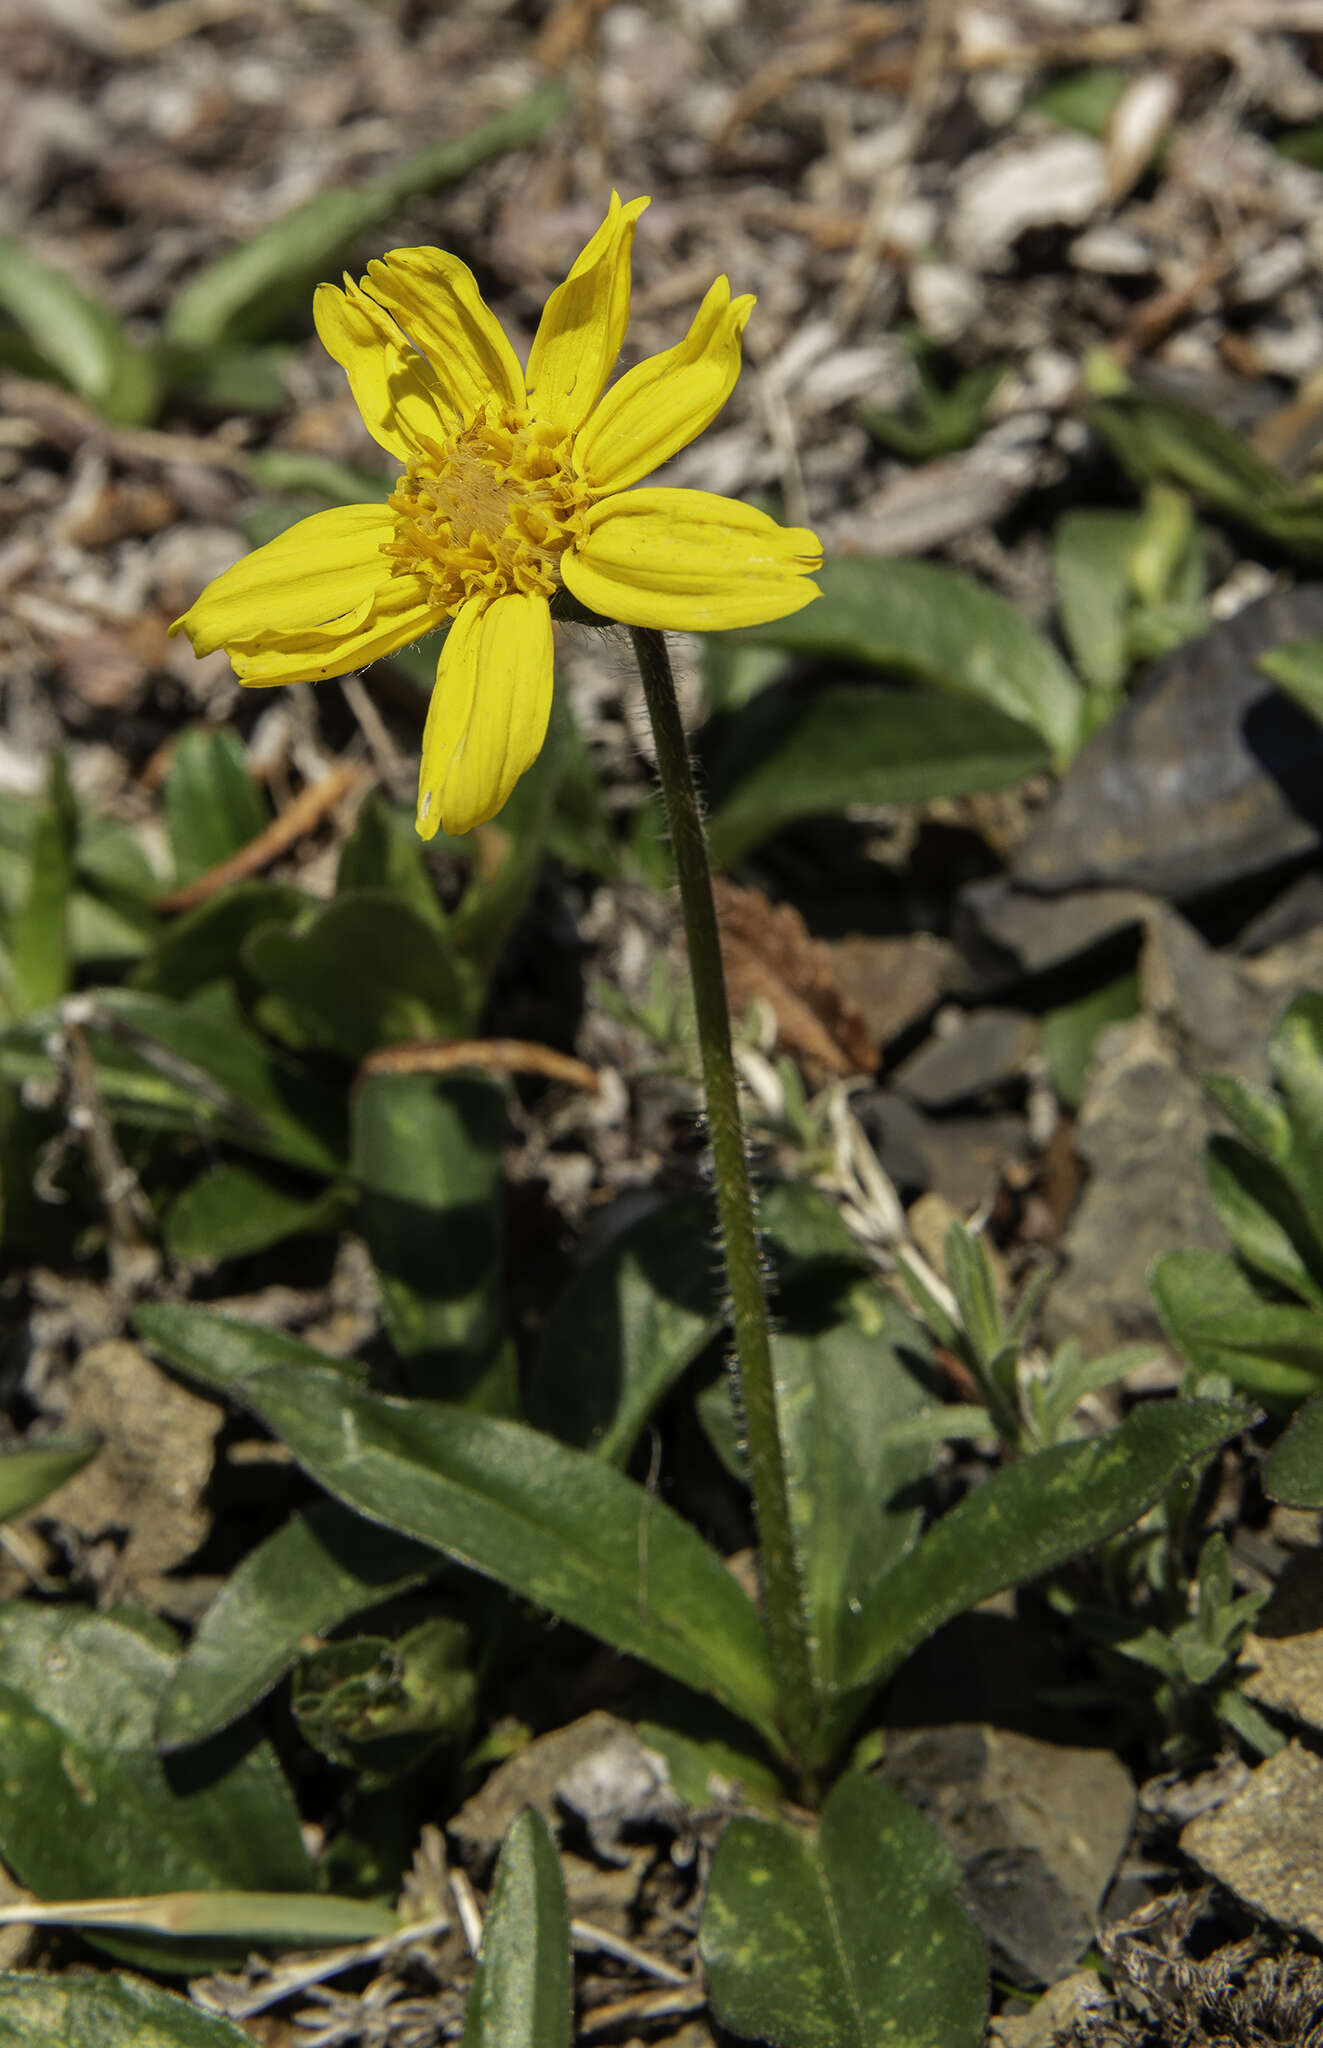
x,y
987,1052
1209,773
1281,1662
1141,1132
893,982
1266,1843
1002,927
144,1491
1073,1998
1038,1827
966,1156
597,1769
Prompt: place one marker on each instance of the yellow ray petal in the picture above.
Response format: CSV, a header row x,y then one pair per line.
x,y
657,408
690,561
392,386
489,711
583,323
435,300
318,600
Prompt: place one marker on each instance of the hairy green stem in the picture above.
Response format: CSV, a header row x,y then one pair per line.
x,y
782,1593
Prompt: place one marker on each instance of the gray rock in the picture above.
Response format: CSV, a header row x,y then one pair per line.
x,y
1266,1843
1003,927
1038,1827
988,1051
1209,773
895,982
1141,1134
1281,1663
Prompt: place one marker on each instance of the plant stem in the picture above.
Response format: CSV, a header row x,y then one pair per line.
x,y
782,1594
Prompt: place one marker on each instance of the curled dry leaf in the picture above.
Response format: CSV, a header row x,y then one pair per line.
x,y
1139,120
768,954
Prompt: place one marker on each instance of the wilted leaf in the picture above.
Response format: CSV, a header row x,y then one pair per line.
x,y
769,957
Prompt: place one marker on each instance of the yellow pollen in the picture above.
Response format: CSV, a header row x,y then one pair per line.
x,y
490,512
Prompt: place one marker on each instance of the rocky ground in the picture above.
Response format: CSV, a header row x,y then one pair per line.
x,y
911,190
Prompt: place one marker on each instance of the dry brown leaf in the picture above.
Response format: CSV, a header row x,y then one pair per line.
x,y
768,954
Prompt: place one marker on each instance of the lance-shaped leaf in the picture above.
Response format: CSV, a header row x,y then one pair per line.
x,y
1294,1471
521,1990
1028,1518
555,1525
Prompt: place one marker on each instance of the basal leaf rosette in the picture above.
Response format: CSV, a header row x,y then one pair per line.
x,y
515,482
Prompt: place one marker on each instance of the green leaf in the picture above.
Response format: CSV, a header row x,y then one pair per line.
x,y
1165,440
850,1938
79,338
799,754
514,848
1071,1032
639,1314
626,1327
39,965
844,1359
1082,99
264,1919
204,944
384,852
212,805
194,1067
921,620
1294,1470
225,1351
521,1989
1296,1053
1027,1519
104,2011
88,1809
1297,667
364,972
229,1212
426,1152
1221,1324
316,1572
1264,1218
1091,556
246,293
380,1705
550,1523
27,1475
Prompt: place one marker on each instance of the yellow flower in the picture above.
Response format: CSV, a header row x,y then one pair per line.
x,y
513,484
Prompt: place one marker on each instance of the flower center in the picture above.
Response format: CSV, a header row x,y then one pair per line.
x,y
490,512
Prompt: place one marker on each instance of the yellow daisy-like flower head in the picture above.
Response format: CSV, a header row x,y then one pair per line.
x,y
515,482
